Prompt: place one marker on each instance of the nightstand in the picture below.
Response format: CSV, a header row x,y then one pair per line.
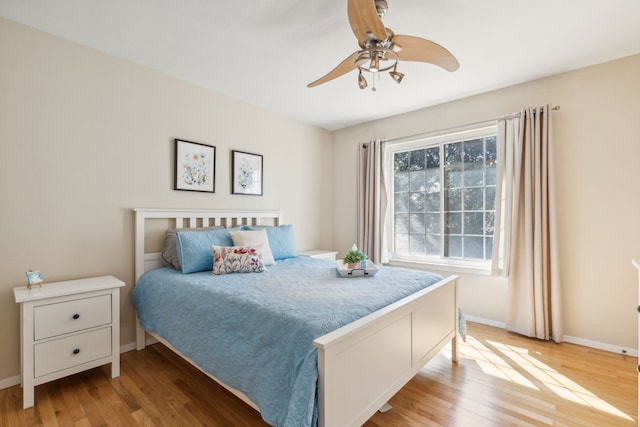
x,y
319,253
68,327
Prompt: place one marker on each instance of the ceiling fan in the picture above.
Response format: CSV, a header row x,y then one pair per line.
x,y
381,49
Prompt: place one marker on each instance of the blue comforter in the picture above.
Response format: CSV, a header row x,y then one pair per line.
x,y
254,331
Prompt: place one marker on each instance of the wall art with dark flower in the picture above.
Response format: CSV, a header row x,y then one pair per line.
x,y
195,166
247,173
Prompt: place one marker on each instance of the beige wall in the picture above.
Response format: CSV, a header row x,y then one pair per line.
x,y
597,135
86,137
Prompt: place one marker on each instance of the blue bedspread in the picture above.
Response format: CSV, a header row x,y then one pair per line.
x,y
254,331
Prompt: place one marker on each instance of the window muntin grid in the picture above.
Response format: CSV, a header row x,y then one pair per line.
x,y
444,198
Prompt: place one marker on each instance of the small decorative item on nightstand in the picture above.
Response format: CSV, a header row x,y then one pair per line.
x,y
34,278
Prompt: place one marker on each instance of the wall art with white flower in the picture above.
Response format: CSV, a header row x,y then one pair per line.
x,y
247,173
195,166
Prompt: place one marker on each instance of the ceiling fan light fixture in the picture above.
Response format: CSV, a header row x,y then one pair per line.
x,y
369,59
362,82
374,66
397,76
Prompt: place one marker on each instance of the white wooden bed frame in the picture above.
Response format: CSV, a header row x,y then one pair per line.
x,y
360,365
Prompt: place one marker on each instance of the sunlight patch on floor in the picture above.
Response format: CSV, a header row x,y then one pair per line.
x,y
516,364
513,362
491,363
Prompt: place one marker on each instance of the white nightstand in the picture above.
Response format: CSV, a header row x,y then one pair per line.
x,y
68,327
319,253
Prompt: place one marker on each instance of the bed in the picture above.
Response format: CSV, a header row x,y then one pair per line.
x,y
344,366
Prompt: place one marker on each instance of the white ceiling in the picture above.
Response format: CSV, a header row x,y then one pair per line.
x,y
265,52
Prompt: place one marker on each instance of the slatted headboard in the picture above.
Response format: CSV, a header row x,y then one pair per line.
x,y
147,258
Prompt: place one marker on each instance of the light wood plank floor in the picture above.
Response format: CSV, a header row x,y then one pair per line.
x,y
501,379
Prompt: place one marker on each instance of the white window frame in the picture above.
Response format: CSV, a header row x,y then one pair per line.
x,y
482,130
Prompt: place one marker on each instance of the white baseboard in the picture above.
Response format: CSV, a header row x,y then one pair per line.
x,y
573,340
602,346
127,347
10,382
487,322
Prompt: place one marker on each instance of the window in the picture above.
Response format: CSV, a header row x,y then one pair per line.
x,y
444,197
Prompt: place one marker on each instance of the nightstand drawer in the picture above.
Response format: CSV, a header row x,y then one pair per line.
x,y
63,353
70,316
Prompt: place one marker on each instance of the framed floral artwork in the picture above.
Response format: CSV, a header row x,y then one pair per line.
x,y
195,166
247,173
34,278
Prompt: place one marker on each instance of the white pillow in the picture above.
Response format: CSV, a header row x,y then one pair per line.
x,y
254,238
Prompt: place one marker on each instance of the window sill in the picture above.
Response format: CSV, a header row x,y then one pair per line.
x,y
479,270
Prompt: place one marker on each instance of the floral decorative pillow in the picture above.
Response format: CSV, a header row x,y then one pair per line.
x,y
237,259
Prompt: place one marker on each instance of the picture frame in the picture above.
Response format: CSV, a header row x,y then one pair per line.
x,y
195,168
34,277
247,173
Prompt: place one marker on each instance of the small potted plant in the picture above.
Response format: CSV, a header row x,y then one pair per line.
x,y
354,258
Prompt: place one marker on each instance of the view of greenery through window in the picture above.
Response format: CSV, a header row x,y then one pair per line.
x,y
444,200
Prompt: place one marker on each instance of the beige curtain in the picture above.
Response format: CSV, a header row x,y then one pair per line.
x,y
507,142
526,237
372,201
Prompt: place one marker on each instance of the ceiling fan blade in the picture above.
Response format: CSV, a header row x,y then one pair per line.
x,y
343,68
364,19
420,50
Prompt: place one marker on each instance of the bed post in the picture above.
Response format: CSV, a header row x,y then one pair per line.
x,y
139,270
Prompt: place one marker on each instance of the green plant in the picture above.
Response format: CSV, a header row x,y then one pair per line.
x,y
354,256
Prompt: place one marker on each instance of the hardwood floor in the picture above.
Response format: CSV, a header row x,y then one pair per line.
x,y
502,379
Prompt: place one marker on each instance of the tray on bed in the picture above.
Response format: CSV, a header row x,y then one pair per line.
x,y
369,269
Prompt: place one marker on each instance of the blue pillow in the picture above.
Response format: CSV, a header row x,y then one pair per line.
x,y
281,240
170,252
194,248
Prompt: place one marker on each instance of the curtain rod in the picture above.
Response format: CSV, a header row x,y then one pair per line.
x,y
459,128
512,115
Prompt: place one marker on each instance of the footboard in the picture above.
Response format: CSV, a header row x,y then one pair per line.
x,y
363,364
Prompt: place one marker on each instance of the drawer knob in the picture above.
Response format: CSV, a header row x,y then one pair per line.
x,y
76,316
76,351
